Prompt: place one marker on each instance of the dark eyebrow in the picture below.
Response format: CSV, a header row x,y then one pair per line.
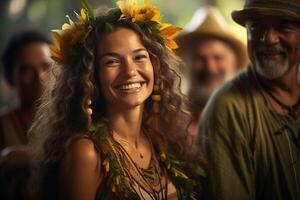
x,y
140,49
109,54
117,55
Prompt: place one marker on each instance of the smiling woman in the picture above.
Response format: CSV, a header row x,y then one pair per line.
x,y
125,69
113,123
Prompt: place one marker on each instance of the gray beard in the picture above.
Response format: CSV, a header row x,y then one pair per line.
x,y
267,67
270,69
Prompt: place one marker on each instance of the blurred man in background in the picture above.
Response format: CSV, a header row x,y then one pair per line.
x,y
212,53
8,97
26,60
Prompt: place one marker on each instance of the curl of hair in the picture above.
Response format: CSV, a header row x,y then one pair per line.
x,y
62,111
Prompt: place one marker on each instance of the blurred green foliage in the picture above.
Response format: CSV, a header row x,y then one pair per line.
x,y
50,14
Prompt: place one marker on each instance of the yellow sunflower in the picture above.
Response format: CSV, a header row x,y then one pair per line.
x,y
132,10
70,34
136,12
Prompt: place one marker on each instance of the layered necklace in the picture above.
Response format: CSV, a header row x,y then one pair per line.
x,y
292,111
136,149
126,179
150,182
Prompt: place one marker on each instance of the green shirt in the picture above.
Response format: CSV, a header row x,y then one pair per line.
x,y
252,152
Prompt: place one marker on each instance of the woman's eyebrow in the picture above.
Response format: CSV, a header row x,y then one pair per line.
x,y
109,54
140,49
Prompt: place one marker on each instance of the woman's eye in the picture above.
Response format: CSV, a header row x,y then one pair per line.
x,y
140,57
111,62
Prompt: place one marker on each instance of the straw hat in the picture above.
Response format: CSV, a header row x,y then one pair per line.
x,y
208,21
284,9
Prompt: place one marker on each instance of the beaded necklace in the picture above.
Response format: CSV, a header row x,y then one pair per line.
x,y
119,177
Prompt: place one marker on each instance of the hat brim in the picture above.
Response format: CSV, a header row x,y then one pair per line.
x,y
241,16
186,39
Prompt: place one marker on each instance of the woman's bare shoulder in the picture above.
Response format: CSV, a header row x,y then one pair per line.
x,y
80,173
81,149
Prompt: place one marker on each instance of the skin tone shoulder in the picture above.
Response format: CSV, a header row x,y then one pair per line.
x,y
126,77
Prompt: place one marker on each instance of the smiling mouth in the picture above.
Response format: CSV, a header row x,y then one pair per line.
x,y
130,86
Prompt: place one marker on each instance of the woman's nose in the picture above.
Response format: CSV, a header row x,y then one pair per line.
x,y
130,67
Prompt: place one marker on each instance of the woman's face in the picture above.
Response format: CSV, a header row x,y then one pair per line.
x,y
125,69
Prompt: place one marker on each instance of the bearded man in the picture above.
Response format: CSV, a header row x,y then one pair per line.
x,y
250,129
213,54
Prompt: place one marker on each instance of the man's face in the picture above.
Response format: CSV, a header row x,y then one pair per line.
x,y
32,65
273,46
213,61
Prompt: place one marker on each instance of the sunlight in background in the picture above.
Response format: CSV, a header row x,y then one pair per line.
x,y
50,14
226,8
16,7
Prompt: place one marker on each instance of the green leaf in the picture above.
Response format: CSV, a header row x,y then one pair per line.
x,y
109,27
199,171
86,6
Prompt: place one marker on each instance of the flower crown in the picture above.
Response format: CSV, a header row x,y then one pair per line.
x,y
144,14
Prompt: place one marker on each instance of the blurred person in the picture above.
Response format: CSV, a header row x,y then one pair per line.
x,y
212,53
113,123
251,126
15,173
8,97
26,60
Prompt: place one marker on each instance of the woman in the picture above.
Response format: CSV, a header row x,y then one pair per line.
x,y
113,124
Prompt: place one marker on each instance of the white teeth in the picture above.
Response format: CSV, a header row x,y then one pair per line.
x,y
130,86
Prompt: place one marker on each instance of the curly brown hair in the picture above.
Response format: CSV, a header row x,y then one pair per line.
x,y
62,112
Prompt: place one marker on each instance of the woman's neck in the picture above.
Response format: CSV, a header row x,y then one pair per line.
x,y
126,123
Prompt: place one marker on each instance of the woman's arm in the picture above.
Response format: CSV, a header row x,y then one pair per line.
x,y
80,171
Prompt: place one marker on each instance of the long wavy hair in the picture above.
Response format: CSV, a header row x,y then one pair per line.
x,y
62,112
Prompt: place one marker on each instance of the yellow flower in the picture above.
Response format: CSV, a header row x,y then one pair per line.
x,y
163,156
178,173
70,34
57,46
106,165
127,8
135,12
169,31
117,180
131,10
